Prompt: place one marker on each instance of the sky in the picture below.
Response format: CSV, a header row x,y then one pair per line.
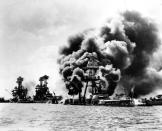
x,y
33,31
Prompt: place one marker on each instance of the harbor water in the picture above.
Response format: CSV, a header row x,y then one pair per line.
x,y
55,117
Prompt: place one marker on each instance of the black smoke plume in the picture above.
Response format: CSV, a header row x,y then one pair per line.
x,y
74,44
122,48
144,34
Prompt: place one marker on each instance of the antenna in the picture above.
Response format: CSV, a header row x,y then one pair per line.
x,y
8,91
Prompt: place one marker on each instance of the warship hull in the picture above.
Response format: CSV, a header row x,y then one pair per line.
x,y
43,101
117,103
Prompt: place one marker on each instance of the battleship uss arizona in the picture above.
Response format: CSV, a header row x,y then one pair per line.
x,y
98,96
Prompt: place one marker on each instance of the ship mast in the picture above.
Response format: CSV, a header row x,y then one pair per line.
x,y
19,92
42,90
91,77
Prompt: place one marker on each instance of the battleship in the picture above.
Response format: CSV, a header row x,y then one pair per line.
x,y
19,93
42,93
99,95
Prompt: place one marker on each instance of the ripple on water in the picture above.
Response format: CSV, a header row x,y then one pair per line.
x,y
63,117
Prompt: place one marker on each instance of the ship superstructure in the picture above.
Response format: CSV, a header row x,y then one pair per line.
x,y
42,93
99,90
19,93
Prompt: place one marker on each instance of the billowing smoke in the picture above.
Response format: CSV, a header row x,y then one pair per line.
x,y
30,85
144,33
122,49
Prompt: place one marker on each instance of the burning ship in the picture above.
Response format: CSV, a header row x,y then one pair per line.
x,y
92,80
120,53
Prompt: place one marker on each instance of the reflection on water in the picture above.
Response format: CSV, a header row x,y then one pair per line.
x,y
49,117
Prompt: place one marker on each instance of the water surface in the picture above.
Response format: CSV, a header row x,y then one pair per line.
x,y
51,117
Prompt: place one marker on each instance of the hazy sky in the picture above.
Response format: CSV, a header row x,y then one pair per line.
x,y
32,31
